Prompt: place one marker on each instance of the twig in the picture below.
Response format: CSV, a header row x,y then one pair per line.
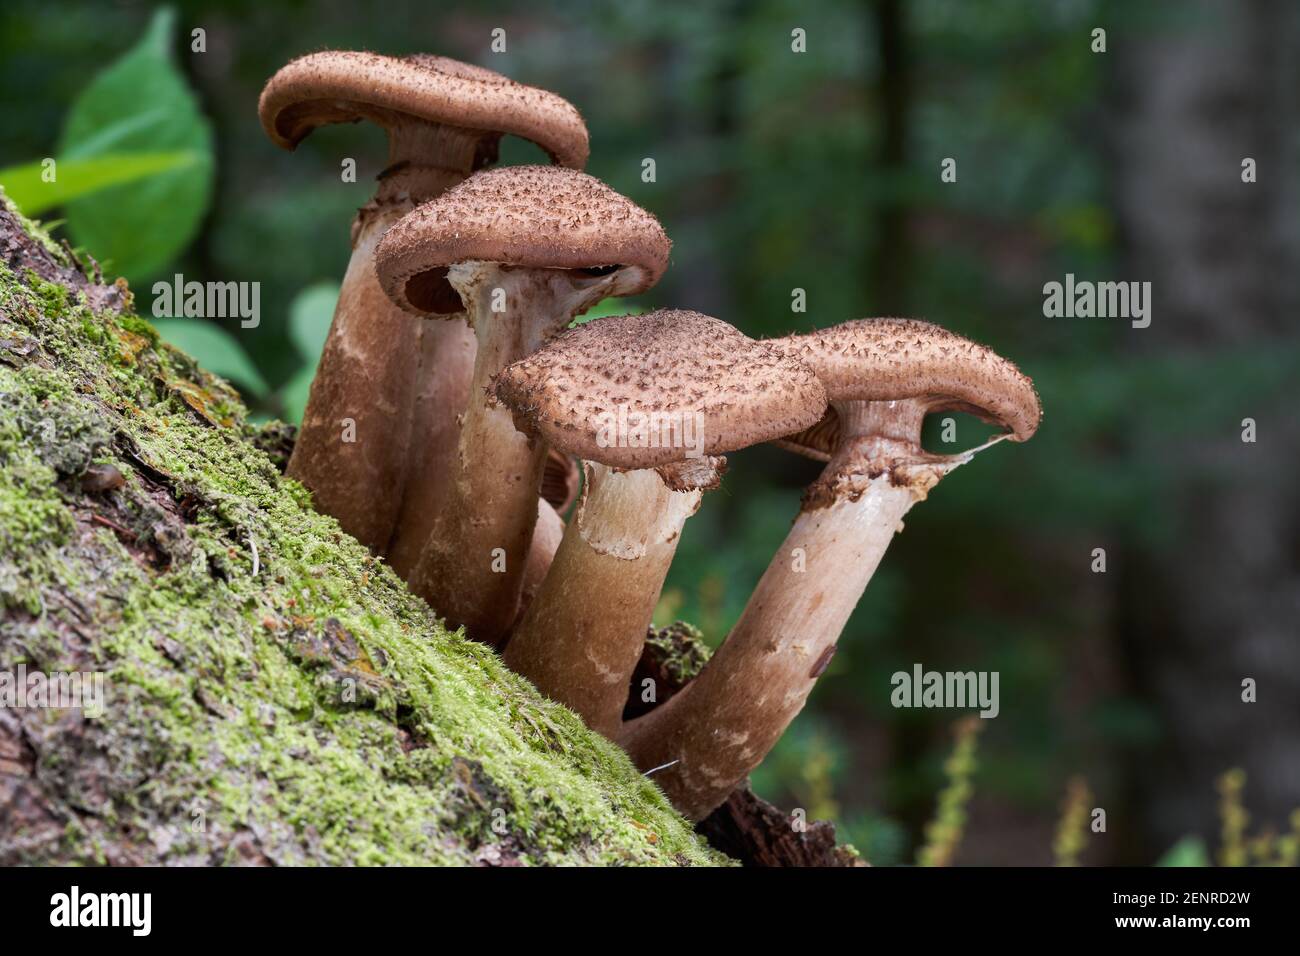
x,y
100,519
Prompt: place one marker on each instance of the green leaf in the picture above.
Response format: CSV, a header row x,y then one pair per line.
x,y
140,104
310,315
1189,851
215,349
610,305
293,396
75,178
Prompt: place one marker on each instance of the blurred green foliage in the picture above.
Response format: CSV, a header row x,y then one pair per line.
x,y
943,834
217,351
140,104
310,314
32,188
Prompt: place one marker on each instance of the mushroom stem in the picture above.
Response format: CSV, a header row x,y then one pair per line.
x,y
471,568
582,635
446,369
722,724
547,534
352,448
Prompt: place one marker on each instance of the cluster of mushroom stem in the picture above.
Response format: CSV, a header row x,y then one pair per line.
x,y
567,242
711,734
452,359
382,419
582,635
472,563
369,381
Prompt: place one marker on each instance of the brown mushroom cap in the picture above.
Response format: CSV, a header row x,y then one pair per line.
x,y
894,359
344,86
667,363
542,217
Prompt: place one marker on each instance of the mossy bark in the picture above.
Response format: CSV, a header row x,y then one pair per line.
x,y
274,694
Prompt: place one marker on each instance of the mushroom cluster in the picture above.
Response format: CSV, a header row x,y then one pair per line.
x,y
454,344
381,419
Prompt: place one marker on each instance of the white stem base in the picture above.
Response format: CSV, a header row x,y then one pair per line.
x,y
582,636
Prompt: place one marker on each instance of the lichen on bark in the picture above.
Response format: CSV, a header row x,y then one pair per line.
x,y
311,712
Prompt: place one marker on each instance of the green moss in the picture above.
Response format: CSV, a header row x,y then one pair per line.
x,y
313,711
679,650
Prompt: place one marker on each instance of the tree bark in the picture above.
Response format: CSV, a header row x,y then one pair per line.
x,y
272,693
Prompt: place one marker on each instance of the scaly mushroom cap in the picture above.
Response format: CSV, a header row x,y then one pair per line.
x,y
892,359
693,380
344,86
541,217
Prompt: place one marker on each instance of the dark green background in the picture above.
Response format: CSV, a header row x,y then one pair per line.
x,y
820,171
